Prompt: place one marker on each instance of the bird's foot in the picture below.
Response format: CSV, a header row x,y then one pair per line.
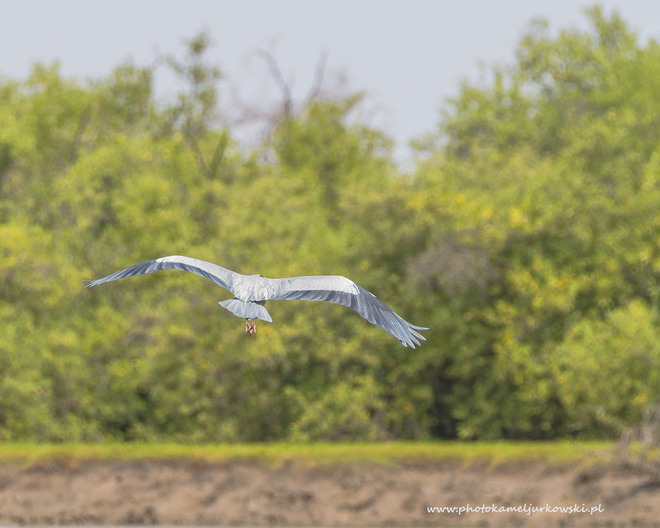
x,y
250,327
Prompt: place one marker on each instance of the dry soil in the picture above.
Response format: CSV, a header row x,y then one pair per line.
x,y
249,493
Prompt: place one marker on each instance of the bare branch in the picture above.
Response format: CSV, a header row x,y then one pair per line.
x,y
319,75
276,72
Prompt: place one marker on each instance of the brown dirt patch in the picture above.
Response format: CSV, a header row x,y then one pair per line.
x,y
250,494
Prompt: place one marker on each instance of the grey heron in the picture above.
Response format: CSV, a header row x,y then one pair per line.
x,y
252,291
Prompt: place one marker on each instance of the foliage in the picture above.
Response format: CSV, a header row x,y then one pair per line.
x,y
624,350
525,237
549,177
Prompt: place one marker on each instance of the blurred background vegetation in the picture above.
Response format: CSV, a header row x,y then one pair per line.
x,y
526,235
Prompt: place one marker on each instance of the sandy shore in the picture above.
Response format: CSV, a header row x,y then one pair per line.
x,y
251,494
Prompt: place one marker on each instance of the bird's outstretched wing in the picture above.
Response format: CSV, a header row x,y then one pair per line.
x,y
217,274
340,290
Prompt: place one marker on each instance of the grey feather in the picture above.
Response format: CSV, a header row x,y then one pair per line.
x,y
208,270
247,310
252,291
340,290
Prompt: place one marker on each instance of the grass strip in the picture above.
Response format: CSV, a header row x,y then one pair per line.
x,y
314,454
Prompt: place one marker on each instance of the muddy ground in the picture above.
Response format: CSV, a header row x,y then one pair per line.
x,y
250,494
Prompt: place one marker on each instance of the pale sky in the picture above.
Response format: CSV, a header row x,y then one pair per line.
x,y
408,55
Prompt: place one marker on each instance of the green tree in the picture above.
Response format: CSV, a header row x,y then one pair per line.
x,y
606,371
547,174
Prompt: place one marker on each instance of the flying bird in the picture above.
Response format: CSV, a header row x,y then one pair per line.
x,y
252,291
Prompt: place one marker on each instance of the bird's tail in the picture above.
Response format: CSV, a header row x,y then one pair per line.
x,y
247,310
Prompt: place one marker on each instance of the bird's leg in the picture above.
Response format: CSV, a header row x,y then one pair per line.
x,y
250,327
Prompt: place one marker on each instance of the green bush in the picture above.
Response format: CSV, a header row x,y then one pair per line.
x,y
608,372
